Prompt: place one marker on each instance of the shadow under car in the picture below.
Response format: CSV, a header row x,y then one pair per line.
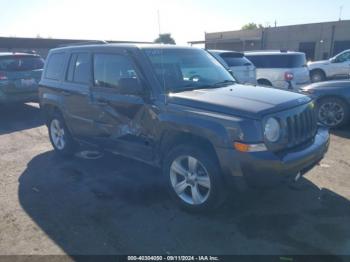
x,y
115,205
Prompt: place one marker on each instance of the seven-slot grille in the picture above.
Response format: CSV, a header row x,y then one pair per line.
x,y
301,127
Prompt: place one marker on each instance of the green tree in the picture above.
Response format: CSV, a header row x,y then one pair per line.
x,y
165,39
251,26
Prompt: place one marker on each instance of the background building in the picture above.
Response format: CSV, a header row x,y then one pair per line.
x,y
39,45
318,41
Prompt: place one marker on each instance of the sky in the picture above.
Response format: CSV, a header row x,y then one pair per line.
x,y
137,20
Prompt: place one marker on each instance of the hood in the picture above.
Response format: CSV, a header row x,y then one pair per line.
x,y
329,85
240,100
318,63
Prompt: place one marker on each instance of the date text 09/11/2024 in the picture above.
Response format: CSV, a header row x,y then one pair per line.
x,y
173,258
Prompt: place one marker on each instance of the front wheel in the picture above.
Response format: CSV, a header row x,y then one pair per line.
x,y
317,76
60,137
194,178
333,112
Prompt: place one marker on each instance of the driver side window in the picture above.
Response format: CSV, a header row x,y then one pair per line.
x,y
111,70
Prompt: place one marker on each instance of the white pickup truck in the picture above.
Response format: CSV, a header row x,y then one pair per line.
x,y
336,67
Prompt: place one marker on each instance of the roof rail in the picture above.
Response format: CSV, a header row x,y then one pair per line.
x,y
263,51
97,42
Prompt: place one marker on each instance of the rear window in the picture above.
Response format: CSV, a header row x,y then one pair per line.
x,y
21,63
54,66
235,60
278,61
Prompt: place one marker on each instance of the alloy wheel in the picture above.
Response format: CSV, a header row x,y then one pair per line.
x,y
331,114
190,180
57,134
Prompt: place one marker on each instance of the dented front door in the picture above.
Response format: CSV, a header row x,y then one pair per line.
x,y
124,122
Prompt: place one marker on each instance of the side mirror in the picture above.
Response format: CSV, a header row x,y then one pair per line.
x,y
130,86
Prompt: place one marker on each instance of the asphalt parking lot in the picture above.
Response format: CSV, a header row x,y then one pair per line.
x,y
113,205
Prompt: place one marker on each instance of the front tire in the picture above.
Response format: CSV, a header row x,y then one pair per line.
x,y
317,76
60,137
194,179
333,112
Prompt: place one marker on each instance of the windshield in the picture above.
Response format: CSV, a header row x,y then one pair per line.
x,y
186,69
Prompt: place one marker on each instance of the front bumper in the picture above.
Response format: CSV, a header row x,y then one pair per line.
x,y
264,168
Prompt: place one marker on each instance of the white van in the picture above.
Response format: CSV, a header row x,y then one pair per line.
x,y
281,69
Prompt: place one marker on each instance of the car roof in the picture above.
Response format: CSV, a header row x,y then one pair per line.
x,y
223,51
16,54
272,52
122,45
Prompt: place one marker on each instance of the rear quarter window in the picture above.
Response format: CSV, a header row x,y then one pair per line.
x,y
278,61
55,66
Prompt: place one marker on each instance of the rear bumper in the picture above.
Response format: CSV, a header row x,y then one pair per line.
x,y
6,98
264,168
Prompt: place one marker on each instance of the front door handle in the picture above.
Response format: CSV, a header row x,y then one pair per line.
x,y
101,102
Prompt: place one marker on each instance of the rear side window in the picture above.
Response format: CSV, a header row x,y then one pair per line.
x,y
110,69
79,68
235,60
278,61
54,66
21,63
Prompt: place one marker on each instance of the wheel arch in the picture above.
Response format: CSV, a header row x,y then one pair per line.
x,y
48,110
318,70
326,96
264,80
172,138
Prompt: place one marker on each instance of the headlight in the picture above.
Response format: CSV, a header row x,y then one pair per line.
x,y
272,130
307,90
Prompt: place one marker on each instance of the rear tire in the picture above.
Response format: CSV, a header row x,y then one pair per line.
x,y
317,76
60,136
194,178
333,112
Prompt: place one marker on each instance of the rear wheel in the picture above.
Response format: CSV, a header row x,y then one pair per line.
x,y
317,76
194,179
60,137
333,112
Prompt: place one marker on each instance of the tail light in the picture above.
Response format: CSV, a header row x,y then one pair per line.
x,y
288,76
3,76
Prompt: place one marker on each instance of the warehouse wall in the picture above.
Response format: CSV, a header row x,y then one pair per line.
x,y
319,40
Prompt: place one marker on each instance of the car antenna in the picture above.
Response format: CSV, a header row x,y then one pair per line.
x,y
161,58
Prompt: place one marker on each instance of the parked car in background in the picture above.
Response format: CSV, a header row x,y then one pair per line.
x,y
179,109
281,69
336,67
243,70
20,74
333,101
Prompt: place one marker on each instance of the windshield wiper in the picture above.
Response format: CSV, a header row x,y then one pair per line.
x,y
191,87
224,83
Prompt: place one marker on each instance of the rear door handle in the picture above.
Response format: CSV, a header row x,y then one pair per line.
x,y
65,93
